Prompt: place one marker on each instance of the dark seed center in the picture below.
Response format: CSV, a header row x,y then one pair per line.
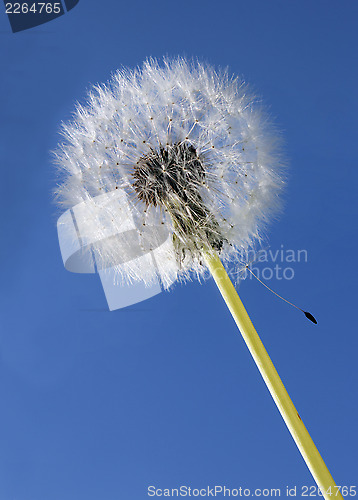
x,y
171,177
172,170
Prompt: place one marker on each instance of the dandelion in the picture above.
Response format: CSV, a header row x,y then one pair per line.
x,y
188,152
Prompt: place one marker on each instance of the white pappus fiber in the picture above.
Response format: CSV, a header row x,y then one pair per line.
x,y
194,155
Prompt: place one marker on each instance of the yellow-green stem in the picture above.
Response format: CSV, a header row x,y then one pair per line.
x,y
283,401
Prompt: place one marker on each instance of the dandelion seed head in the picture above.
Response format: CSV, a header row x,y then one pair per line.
x,y
195,154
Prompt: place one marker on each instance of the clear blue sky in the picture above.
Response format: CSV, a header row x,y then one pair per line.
x,y
98,405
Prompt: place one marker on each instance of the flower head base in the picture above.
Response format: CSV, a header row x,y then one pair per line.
x,y
193,151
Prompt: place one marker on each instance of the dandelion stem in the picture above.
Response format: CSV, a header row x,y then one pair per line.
x,y
283,401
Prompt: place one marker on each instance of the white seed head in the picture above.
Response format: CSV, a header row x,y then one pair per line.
x,y
193,151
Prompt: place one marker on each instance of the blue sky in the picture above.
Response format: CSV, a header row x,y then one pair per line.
x,y
98,405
